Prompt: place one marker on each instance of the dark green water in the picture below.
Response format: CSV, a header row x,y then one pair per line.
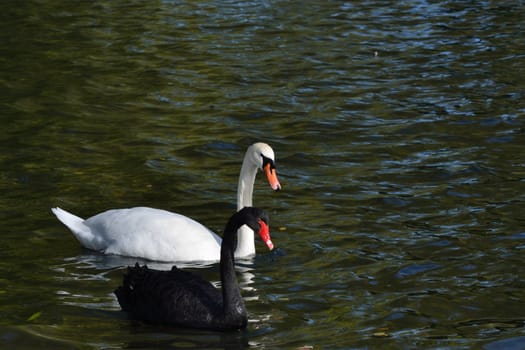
x,y
399,133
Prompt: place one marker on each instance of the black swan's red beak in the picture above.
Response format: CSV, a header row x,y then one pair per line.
x,y
264,232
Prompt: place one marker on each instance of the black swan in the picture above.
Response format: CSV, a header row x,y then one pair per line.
x,y
181,298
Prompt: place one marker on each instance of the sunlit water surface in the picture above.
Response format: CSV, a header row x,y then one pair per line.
x,y
398,129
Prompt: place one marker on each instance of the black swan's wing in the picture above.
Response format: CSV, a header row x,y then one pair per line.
x,y
173,297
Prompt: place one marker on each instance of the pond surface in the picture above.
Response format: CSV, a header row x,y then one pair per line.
x,y
399,136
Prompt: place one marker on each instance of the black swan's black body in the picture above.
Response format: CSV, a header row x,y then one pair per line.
x,y
181,298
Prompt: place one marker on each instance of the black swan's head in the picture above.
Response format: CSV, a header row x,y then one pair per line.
x,y
257,220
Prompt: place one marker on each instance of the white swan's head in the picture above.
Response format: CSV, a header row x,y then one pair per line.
x,y
262,156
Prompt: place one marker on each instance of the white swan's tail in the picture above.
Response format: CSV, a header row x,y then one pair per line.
x,y
76,225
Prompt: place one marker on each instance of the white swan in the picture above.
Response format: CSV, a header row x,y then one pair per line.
x,y
161,235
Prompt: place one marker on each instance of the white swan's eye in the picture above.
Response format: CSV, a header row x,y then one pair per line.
x,y
267,161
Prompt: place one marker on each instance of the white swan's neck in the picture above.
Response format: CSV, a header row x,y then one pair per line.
x,y
246,181
245,236
246,242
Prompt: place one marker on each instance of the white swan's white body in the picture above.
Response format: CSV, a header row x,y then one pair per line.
x,y
161,235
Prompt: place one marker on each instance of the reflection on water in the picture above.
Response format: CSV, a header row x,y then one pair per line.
x,y
398,130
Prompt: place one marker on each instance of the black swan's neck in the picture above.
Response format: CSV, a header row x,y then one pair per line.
x,y
233,303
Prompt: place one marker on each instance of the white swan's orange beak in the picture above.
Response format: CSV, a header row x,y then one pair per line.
x,y
271,175
264,232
